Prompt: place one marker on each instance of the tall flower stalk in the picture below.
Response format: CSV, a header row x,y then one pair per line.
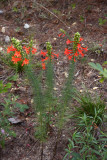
x,y
68,90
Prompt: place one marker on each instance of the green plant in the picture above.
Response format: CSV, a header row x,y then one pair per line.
x,y
73,5
84,145
4,88
68,90
102,21
15,9
8,110
103,71
56,11
19,55
91,106
82,18
5,126
44,96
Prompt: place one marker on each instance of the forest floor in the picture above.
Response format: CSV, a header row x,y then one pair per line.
x,y
45,20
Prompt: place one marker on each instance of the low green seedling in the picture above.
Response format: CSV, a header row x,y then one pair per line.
x,y
102,21
22,107
4,88
82,18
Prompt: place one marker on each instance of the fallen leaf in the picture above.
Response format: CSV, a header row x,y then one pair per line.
x,y
15,120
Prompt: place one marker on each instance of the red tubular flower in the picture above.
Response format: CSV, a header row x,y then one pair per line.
x,y
76,54
57,55
34,50
43,53
15,60
67,51
27,49
61,34
44,59
81,39
17,54
11,48
68,41
26,61
70,57
79,46
43,66
74,60
85,49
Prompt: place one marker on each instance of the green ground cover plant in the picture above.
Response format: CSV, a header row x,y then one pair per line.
x,y
89,143
102,71
8,111
91,106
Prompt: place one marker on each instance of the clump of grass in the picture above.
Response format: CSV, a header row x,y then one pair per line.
x,y
91,106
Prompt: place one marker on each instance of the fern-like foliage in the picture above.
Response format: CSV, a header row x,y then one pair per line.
x,y
67,94
48,94
39,105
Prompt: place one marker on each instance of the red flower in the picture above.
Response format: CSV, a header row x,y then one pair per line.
x,y
79,46
43,66
43,53
57,55
70,57
15,60
61,34
76,54
34,50
27,49
17,54
81,39
68,41
67,51
11,48
26,61
85,49
44,59
79,51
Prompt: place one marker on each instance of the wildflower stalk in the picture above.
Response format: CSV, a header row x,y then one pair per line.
x,y
68,90
49,84
39,106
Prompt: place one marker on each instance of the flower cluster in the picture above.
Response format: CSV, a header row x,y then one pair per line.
x,y
18,56
45,56
78,50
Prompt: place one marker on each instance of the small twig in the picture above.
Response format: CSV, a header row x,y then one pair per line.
x,y
77,73
53,14
93,82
